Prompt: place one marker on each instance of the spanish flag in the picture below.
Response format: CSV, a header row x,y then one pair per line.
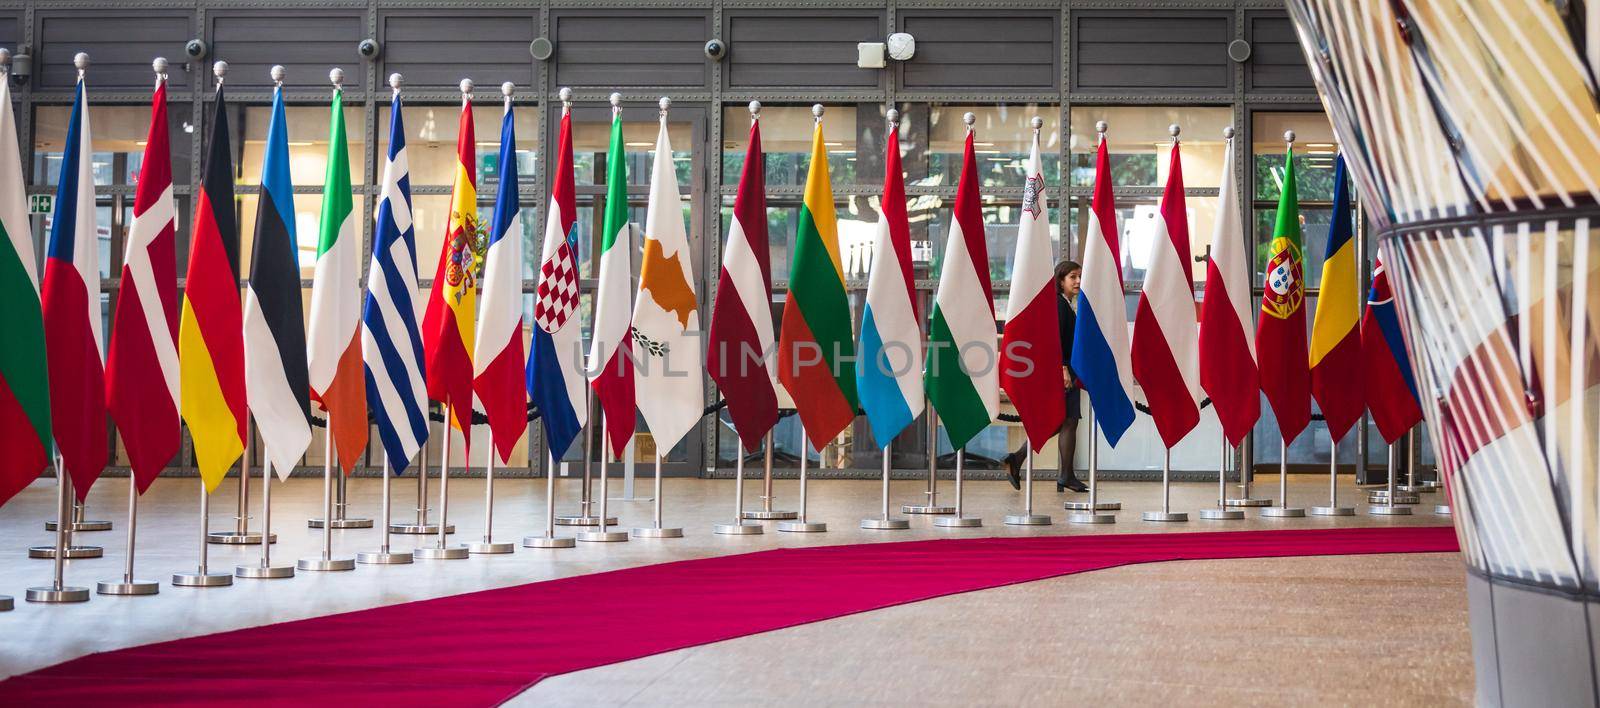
x,y
447,326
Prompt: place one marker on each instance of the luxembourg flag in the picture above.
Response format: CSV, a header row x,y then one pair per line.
x,y
497,353
1100,354
888,379
555,357
1165,353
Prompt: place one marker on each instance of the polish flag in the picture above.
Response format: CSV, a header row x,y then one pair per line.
x,y
1227,351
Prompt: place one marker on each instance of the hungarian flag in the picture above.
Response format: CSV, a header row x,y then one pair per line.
x,y
741,322
71,308
497,352
1281,330
611,346
1100,354
668,379
888,379
1030,348
391,344
447,325
1336,379
24,378
333,339
210,331
1165,353
555,356
142,357
274,334
960,374
1391,386
816,348
1227,353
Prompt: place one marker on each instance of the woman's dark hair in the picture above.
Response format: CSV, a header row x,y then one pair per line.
x,y
1063,269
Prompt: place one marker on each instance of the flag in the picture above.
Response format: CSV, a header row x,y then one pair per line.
x,y
497,352
816,348
1281,330
1391,386
210,328
555,357
142,357
666,314
1165,354
960,376
333,339
1227,353
1335,332
71,306
1100,355
447,324
889,378
391,344
741,323
611,346
24,379
276,377
1030,347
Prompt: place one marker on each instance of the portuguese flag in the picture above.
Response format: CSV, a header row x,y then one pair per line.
x,y
24,394
1281,329
816,348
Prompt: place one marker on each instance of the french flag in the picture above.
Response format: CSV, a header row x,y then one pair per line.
x,y
497,351
1165,354
1100,353
555,359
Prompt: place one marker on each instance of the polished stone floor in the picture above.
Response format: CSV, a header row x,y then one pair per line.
x,y
1331,622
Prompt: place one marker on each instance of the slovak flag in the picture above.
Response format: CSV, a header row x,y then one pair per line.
x,y
1100,354
555,356
497,352
1391,386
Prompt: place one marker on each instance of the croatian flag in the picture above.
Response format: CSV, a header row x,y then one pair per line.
x,y
555,358
1100,353
1165,353
889,377
497,354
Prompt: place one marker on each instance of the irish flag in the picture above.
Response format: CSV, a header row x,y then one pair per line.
x,y
1030,350
24,393
961,371
611,350
816,349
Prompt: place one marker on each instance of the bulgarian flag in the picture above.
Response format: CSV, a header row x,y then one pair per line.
x,y
24,392
1030,350
333,339
816,348
1281,331
447,325
611,350
960,376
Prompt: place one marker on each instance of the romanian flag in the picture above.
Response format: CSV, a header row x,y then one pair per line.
x,y
1336,378
816,348
447,326
24,394
1281,331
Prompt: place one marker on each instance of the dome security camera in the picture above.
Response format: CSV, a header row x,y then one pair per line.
x,y
195,48
715,49
368,48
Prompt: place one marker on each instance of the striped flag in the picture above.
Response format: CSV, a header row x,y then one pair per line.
x,y
210,328
1100,355
816,349
889,378
142,357
611,346
1030,348
71,308
666,312
1391,385
276,378
960,376
391,344
24,378
1227,353
333,339
1336,379
1281,330
741,322
1165,353
447,324
555,356
497,351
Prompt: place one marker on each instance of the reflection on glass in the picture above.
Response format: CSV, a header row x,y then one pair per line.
x,y
1002,138
308,143
786,133
119,134
591,139
1314,153
1140,144
431,141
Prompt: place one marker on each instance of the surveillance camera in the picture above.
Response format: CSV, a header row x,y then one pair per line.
x,y
195,48
715,49
368,48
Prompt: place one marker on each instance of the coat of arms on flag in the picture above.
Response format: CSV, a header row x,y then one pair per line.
x,y
1282,298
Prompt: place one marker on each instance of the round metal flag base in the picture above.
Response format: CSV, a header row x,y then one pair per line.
x,y
1332,511
264,572
1098,506
653,532
1380,497
1221,514
136,587
803,527
6,603
201,580
383,558
345,524
769,515
331,564
885,524
740,529
583,520
603,536
548,542
1089,517
923,509
1280,512
958,522
1441,509
1027,520
82,526
420,529
1429,484
440,553
1415,488
1389,510
72,552
1165,516
489,548
63,594
233,538
1249,501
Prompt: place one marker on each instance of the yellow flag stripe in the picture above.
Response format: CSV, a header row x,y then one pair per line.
x,y
819,200
1338,304
211,423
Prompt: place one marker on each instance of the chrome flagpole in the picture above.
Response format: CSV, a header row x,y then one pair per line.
x,y
766,513
1222,512
128,585
549,539
58,590
70,549
1333,508
384,556
488,545
1245,499
1389,507
883,522
1027,517
1282,510
241,535
932,507
600,534
203,577
656,530
422,527
1089,512
958,520
586,501
443,550
739,527
1166,514
801,525
265,569
327,562
78,522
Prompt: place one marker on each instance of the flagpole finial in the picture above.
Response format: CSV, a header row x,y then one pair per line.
x,y
1100,127
277,74
466,86
336,77
507,88
1173,130
1227,133
5,60
755,110
159,65
969,118
665,103
817,110
1038,123
565,94
220,70
81,60
616,101
1288,137
395,80
893,116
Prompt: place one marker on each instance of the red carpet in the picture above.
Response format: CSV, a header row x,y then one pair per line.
x,y
485,647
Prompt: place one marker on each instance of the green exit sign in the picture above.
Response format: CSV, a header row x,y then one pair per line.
x,y
40,203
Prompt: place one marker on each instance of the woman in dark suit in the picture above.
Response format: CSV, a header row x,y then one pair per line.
x,y
1068,275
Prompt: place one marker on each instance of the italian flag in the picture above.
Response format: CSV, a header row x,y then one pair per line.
x,y
611,345
24,391
961,375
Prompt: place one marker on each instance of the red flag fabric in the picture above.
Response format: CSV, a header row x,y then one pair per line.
x,y
1227,354
1391,387
1165,354
1281,332
448,323
1030,347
